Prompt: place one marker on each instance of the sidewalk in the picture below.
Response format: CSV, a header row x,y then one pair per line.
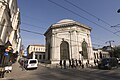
x,y
16,72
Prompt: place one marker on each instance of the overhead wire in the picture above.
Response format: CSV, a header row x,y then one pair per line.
x,y
99,19
82,17
56,37
43,28
56,23
33,25
31,31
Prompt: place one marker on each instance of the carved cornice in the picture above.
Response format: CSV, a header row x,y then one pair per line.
x,y
67,24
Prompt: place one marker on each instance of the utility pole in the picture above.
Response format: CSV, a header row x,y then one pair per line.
x,y
110,44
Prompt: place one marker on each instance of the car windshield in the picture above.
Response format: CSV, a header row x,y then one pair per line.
x,y
32,61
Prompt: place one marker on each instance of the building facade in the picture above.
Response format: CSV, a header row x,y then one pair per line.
x,y
36,52
99,54
68,39
9,26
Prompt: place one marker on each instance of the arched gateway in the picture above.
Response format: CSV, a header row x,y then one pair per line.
x,y
64,50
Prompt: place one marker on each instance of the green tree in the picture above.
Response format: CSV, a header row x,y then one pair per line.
x,y
116,52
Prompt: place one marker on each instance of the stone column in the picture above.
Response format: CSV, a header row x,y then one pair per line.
x,y
52,46
90,51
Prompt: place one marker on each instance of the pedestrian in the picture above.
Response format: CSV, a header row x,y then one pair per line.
x,y
61,64
69,63
22,65
80,62
95,62
76,63
64,63
87,63
82,65
73,63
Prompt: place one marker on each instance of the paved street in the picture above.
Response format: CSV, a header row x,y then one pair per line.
x,y
47,73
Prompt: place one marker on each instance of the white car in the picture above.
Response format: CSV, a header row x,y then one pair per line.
x,y
31,63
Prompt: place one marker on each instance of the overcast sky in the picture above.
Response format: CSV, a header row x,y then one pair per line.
x,y
100,15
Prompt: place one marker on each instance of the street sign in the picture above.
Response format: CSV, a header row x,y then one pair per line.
x,y
6,54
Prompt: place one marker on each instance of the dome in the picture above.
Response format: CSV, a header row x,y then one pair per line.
x,y
66,21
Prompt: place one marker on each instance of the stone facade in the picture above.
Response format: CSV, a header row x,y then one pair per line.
x,y
68,39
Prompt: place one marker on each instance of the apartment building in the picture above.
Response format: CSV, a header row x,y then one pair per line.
x,y
36,52
9,26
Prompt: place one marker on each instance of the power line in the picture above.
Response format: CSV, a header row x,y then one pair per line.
x,y
87,12
45,28
81,16
33,25
56,23
31,31
43,34
32,18
99,19
57,37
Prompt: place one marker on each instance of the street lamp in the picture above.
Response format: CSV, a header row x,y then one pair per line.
x,y
118,10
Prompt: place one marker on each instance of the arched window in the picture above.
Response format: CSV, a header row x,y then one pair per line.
x,y
84,50
64,50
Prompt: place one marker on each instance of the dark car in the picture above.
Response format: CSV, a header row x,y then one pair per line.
x,y
108,63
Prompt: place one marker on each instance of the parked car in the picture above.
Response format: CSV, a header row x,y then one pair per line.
x,y
31,63
108,63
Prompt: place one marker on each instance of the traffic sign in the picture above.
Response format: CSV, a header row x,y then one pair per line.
x,y
6,54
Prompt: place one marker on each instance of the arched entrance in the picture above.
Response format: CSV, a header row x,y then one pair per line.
x,y
64,50
84,49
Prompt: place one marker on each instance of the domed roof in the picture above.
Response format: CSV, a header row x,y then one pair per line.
x,y
66,21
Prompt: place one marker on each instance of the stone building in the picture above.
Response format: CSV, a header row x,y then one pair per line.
x,y
68,39
9,27
36,52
